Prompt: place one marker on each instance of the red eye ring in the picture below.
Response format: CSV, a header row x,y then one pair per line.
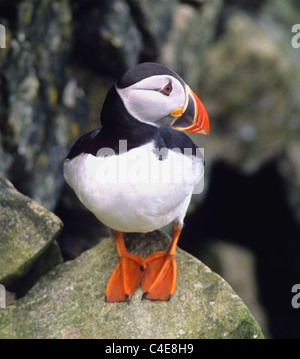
x,y
167,89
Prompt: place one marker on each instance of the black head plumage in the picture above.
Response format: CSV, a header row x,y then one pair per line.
x,y
144,70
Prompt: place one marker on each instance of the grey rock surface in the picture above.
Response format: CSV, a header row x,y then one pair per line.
x,y
68,302
42,107
28,233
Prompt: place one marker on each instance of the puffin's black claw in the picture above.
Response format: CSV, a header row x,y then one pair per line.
x,y
127,298
169,297
142,268
145,295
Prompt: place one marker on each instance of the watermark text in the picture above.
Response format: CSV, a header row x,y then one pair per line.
x,y
296,38
2,37
296,297
2,297
149,166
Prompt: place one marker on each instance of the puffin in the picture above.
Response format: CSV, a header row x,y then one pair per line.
x,y
137,172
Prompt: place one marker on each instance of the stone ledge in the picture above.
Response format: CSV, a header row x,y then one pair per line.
x,y
69,302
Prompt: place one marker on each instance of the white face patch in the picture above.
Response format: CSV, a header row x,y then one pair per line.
x,y
144,101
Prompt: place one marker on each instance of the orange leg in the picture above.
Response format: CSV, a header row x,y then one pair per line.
x,y
159,280
127,274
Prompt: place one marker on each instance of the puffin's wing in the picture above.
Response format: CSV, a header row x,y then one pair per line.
x,y
88,143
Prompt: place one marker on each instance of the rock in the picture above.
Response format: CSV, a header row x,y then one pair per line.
x,y
153,18
250,126
111,42
122,33
289,162
68,302
192,29
237,265
44,109
251,92
28,233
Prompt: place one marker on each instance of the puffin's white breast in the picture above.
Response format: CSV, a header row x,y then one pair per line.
x,y
134,191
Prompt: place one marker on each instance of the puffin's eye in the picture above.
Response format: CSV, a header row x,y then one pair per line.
x,y
167,89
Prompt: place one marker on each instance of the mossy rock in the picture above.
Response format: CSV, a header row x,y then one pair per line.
x,y
69,302
28,232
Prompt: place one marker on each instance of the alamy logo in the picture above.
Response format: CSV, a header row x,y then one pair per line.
x,y
2,37
296,297
296,38
143,168
2,297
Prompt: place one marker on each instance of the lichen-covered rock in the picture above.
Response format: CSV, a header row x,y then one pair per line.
x,y
43,109
28,231
68,302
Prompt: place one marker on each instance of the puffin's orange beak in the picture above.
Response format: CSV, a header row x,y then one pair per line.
x,y
192,117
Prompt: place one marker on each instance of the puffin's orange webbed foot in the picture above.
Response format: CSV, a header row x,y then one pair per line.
x,y
124,279
126,275
159,279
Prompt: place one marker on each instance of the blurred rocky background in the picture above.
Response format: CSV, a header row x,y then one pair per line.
x,y
61,57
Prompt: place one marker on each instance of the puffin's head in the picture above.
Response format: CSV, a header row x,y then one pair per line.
x,y
156,95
